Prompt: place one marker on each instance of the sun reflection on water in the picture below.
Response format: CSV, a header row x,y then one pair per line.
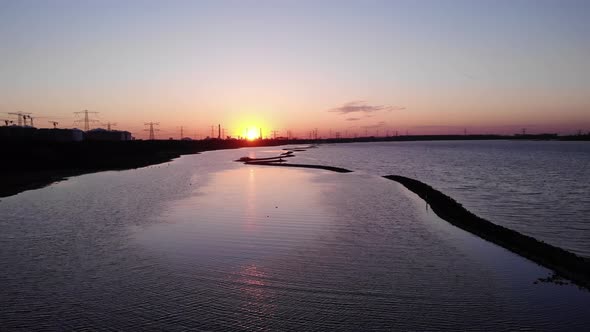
x,y
255,293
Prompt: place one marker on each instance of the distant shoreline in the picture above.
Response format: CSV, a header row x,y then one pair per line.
x,y
31,164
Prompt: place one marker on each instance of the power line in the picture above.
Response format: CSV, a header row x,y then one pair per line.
x,y
86,119
109,125
151,129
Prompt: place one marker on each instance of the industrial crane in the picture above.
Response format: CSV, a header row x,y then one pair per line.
x,y
21,116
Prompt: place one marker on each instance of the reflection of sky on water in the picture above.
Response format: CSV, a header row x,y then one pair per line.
x,y
305,243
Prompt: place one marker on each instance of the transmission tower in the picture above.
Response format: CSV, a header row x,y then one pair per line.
x,y
86,119
274,134
151,129
109,125
21,116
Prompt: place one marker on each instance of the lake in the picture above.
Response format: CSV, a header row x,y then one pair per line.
x,y
539,188
209,244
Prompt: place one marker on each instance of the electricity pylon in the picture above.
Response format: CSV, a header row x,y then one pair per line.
x,y
151,129
86,119
109,125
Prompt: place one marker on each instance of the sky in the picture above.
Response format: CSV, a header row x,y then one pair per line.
x,y
348,67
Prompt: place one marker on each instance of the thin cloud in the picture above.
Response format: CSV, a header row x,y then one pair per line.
x,y
377,125
361,106
352,119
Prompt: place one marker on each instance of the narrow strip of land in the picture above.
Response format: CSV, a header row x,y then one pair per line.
x,y
562,262
274,163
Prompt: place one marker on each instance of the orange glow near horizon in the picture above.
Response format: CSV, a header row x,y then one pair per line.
x,y
252,134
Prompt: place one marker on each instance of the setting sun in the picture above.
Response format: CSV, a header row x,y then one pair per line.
x,y
252,134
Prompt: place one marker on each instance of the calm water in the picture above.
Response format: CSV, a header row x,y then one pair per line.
x,y
538,188
204,243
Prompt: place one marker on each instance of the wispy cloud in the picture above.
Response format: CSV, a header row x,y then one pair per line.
x,y
352,119
361,106
376,125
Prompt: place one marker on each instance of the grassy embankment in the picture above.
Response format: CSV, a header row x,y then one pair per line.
x,y
34,164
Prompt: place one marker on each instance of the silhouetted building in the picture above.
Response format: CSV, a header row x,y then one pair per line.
x,y
107,135
59,135
20,133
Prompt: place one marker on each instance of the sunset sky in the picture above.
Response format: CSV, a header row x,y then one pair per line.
x,y
348,66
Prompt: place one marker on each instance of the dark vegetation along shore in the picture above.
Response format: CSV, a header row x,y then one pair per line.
x,y
34,164
562,262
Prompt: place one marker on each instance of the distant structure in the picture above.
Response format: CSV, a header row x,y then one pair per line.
x,y
59,135
109,125
151,129
54,123
21,116
86,119
25,117
17,133
100,134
